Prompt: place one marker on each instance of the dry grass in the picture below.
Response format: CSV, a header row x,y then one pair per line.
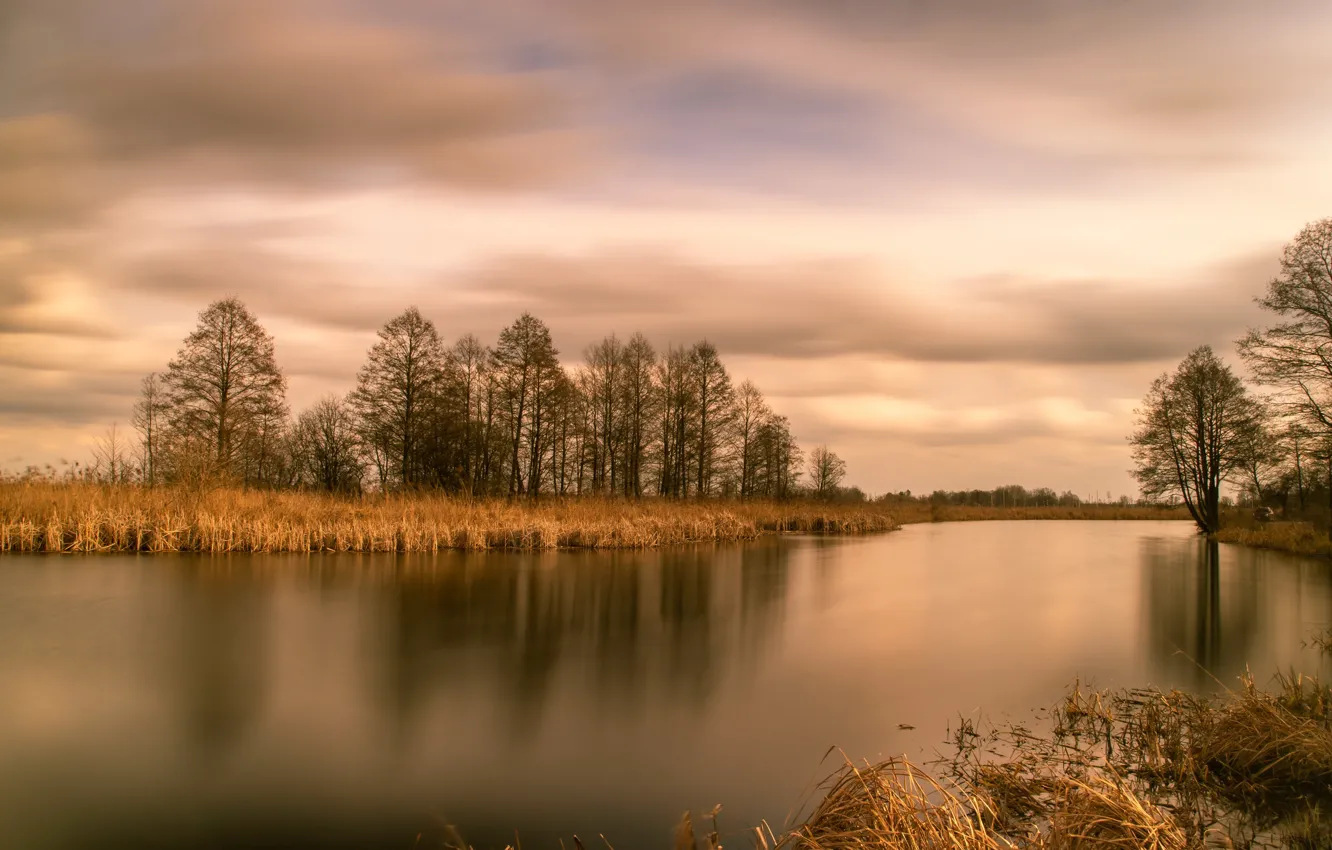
x,y
89,518
1300,538
894,804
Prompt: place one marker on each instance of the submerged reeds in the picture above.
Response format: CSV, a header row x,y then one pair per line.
x,y
90,518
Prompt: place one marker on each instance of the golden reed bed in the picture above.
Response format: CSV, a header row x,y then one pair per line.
x,y
1300,538
86,518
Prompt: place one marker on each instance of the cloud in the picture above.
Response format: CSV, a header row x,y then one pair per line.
x,y
66,397
271,92
816,310
43,171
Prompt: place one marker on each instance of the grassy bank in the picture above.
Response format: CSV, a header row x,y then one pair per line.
x,y
87,518
1300,538
44,517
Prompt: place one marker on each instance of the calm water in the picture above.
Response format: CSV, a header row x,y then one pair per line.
x,y
350,701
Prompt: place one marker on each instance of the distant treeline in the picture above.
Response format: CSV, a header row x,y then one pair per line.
x,y
1008,496
500,420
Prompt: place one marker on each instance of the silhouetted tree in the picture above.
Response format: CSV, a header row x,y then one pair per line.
x,y
639,405
326,449
1293,354
1193,428
525,362
752,412
677,404
826,471
714,410
149,419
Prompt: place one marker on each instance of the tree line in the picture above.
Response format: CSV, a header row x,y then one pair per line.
x,y
1007,496
1270,438
505,420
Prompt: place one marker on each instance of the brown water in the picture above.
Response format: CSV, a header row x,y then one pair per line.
x,y
347,701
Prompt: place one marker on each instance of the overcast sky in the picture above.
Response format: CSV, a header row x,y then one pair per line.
x,y
953,240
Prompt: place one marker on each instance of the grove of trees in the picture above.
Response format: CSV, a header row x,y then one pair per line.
x,y
507,420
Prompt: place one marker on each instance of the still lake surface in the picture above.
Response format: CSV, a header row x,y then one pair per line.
x,y
358,701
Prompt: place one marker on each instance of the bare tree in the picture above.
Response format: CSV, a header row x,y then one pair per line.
x,y
471,358
393,393
675,413
752,412
715,409
639,406
225,383
327,450
1262,455
778,461
525,363
111,457
1194,428
826,471
1295,354
149,419
600,382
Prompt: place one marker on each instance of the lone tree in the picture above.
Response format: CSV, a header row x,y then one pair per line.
x,y
1294,356
224,385
826,471
1195,428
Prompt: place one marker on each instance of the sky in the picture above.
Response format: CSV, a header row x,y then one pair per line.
x,y
954,241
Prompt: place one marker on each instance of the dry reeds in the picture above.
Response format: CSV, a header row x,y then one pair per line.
x,y
1271,750
893,805
1299,538
37,517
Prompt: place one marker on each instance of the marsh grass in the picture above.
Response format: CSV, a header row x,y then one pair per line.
x,y
42,517
1299,538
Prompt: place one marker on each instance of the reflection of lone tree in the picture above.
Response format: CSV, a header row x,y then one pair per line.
x,y
1193,429
826,471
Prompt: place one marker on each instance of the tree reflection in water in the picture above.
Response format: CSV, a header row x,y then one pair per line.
x,y
626,626
1200,626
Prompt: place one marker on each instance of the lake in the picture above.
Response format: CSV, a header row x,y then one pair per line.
x,y
361,701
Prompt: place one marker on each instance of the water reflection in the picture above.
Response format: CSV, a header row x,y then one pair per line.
x,y
219,657
155,702
1205,607
622,626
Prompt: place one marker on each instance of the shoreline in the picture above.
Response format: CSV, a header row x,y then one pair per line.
x,y
83,518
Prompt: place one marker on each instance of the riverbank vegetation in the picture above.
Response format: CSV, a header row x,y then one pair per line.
x,y
78,517
91,518
1141,769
